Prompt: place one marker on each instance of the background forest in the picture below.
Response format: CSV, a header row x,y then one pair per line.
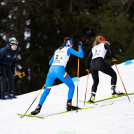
x,y
41,25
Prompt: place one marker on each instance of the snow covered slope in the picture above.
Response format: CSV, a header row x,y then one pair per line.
x,y
111,119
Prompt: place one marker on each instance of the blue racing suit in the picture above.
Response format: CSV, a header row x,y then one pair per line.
x,y
58,71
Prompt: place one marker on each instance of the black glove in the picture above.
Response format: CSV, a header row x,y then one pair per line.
x,y
114,60
79,43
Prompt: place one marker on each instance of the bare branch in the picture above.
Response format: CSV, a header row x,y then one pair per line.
x,y
128,7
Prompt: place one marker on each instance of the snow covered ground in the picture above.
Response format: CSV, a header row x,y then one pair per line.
x,y
110,119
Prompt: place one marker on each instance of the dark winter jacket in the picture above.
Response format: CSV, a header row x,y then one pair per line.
x,y
8,57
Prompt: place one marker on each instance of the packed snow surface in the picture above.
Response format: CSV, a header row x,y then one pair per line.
x,y
117,118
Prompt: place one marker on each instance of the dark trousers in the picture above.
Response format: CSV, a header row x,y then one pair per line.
x,y
6,76
98,64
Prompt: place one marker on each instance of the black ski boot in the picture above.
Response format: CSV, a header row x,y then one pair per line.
x,y
70,107
114,92
37,110
11,95
5,96
92,98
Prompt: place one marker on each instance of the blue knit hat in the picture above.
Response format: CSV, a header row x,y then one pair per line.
x,y
69,42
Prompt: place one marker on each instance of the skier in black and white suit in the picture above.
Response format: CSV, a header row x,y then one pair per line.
x,y
97,63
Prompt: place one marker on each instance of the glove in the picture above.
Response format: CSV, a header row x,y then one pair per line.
x,y
79,43
87,70
114,60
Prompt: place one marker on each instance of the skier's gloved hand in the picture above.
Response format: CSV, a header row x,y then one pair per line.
x,y
87,70
114,60
79,43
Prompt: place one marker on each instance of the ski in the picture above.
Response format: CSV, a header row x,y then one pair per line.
x,y
84,108
68,111
97,104
30,115
92,106
116,96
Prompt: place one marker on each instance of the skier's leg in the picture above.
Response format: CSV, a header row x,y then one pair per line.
x,y
65,78
49,82
95,77
105,68
10,83
4,94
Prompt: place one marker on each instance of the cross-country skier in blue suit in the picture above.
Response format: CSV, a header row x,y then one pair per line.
x,y
57,70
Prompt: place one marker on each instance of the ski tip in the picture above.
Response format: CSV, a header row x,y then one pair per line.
x,y
30,115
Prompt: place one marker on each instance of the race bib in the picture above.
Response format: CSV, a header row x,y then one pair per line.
x,y
58,58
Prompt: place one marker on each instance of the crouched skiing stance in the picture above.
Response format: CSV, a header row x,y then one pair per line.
x,y
96,59
57,70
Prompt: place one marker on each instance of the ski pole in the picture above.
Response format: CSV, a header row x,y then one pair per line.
x,y
77,81
122,82
33,101
78,76
86,88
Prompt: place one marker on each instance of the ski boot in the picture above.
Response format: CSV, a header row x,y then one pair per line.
x,y
37,110
6,96
69,106
92,98
114,92
11,95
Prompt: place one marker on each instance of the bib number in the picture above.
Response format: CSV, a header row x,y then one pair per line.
x,y
97,52
58,58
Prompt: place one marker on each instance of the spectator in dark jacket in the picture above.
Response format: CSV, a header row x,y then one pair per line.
x,y
8,56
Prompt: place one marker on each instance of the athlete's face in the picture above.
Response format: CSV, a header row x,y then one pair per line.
x,y
14,47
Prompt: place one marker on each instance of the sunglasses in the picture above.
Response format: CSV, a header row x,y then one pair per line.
x,y
14,42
